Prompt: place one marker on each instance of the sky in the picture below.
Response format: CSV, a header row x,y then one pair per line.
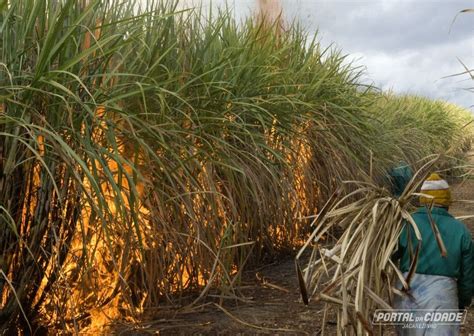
x,y
408,46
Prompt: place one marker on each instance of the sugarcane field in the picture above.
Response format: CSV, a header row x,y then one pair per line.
x,y
239,167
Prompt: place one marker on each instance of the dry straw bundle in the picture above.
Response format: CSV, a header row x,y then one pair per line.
x,y
357,275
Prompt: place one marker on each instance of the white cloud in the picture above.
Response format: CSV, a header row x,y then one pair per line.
x,y
420,72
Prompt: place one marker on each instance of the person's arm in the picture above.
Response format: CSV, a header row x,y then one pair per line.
x,y
466,278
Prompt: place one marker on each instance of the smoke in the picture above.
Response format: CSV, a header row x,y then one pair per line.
x,y
270,10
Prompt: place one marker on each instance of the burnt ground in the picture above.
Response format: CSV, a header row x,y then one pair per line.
x,y
273,305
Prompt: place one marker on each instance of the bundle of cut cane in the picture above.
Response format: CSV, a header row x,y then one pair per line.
x,y
356,275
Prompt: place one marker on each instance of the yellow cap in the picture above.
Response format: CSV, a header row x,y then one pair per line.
x,y
438,188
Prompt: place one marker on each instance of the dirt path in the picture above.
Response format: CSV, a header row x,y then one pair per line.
x,y
274,306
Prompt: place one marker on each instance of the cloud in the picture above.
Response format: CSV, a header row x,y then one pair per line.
x,y
388,25
424,71
404,45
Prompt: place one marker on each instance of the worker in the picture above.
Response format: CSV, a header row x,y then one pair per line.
x,y
440,281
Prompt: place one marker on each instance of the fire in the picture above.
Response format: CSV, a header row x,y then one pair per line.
x,y
110,263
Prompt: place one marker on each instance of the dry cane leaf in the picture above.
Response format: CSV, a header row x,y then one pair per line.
x,y
439,239
303,290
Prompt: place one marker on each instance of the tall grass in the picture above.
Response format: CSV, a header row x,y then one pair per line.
x,y
421,127
147,152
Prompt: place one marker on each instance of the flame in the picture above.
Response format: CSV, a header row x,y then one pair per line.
x,y
99,278
87,284
303,202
